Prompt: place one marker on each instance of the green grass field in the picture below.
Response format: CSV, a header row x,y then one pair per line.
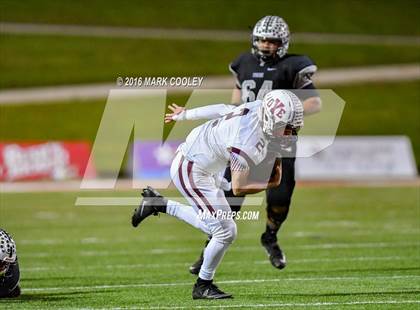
x,y
343,253
340,16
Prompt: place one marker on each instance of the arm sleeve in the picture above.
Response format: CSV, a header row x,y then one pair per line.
x,y
238,163
209,112
304,69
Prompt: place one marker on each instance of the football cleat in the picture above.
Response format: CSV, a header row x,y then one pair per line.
x,y
152,203
208,291
275,254
196,266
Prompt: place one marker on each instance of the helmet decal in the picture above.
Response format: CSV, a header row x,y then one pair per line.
x,y
280,108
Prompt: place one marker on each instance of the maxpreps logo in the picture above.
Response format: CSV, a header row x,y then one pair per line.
x,y
229,215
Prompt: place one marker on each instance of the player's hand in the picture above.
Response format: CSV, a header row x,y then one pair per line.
x,y
225,185
178,113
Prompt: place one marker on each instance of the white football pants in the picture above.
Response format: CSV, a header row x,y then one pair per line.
x,y
200,189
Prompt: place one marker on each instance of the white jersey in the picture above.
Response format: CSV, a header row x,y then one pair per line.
x,y
210,145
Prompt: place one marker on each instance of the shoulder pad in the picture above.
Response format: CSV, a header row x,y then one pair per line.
x,y
302,69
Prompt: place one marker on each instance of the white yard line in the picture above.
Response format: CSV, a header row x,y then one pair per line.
x,y
239,281
258,262
273,305
165,251
244,236
199,34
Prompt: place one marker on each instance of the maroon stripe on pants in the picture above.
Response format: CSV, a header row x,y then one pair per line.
x,y
181,179
196,190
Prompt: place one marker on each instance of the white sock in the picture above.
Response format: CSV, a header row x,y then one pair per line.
x,y
213,254
187,214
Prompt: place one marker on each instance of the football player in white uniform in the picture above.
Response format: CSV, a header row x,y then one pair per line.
x,y
239,135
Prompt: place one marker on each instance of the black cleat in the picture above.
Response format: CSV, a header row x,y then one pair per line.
x,y
196,266
208,291
152,203
275,254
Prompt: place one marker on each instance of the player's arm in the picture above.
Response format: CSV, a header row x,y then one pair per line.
x,y
312,105
207,112
236,96
236,93
241,183
307,92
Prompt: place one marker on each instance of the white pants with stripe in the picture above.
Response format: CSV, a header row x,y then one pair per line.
x,y
200,189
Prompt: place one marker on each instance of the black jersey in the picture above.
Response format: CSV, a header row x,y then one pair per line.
x,y
9,281
255,78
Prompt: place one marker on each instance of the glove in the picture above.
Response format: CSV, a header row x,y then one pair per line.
x,y
180,116
225,185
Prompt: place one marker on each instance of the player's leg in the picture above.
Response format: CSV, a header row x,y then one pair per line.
x,y
153,203
223,233
278,203
199,189
235,204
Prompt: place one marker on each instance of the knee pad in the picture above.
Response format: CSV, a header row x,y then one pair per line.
x,y
227,232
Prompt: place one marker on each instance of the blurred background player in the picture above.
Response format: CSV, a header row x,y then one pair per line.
x,y
9,267
242,137
268,66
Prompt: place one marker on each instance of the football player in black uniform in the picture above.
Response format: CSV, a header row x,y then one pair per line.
x,y
9,267
268,66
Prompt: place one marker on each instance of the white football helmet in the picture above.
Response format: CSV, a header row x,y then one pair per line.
x,y
280,108
271,28
7,250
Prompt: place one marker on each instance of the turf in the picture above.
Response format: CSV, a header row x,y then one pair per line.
x,y
29,60
342,251
356,16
